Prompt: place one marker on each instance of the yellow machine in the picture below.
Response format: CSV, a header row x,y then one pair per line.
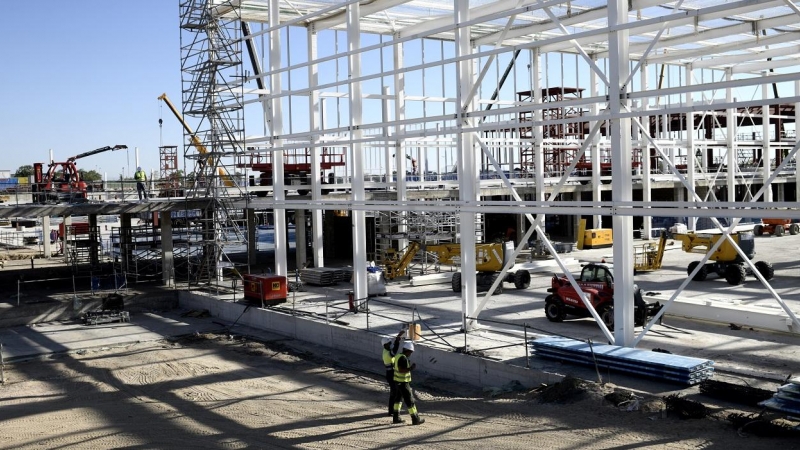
x,y
727,262
224,175
594,237
648,257
489,261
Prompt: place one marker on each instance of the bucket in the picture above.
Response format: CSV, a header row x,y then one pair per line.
x,y
414,331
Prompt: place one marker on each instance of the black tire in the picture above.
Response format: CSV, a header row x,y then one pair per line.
x,y
302,192
778,230
701,274
794,229
554,309
499,289
607,316
522,279
455,282
765,269
758,230
734,274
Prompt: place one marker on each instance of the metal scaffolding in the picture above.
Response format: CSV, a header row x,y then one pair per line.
x,y
607,82
212,79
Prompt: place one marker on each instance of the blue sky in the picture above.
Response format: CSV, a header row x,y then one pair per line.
x,y
77,76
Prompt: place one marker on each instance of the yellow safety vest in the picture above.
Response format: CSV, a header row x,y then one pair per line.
x,y
388,359
398,376
139,175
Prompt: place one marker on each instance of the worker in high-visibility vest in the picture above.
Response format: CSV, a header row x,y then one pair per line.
x,y
402,376
140,178
389,353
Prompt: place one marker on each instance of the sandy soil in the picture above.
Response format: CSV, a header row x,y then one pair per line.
x,y
225,392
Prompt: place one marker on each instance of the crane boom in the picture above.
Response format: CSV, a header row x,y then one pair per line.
x,y
96,151
226,177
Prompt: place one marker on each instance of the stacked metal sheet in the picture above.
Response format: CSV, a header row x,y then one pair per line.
x,y
787,399
323,276
665,366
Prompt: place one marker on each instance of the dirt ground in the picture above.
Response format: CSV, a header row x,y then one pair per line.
x,y
220,391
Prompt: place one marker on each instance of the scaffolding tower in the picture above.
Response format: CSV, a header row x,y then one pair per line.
x,y
212,94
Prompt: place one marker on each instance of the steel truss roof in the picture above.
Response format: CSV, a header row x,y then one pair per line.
x,y
708,33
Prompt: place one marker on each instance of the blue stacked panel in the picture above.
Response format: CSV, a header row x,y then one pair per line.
x,y
664,366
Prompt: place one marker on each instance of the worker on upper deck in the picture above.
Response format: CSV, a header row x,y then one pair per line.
x,y
140,178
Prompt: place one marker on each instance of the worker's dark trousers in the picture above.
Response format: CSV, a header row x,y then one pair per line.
x,y
392,388
404,394
141,190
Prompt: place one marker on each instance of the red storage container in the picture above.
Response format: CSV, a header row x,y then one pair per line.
x,y
270,289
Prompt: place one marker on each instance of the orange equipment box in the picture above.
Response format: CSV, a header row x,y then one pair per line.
x,y
270,289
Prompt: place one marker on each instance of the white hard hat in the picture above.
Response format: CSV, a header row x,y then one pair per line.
x,y
139,168
408,345
385,340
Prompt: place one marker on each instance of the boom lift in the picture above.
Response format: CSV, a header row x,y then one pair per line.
x,y
648,257
62,182
776,227
489,261
727,262
223,174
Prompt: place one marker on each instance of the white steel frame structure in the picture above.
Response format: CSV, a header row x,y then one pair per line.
x,y
399,80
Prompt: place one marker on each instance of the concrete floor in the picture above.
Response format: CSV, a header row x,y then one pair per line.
x,y
760,357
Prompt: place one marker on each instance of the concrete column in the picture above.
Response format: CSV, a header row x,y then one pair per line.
x,y
94,238
358,216
766,148
730,119
317,224
300,238
594,149
66,221
125,250
167,254
538,136
780,192
279,192
48,252
647,184
796,138
400,129
467,177
252,238
622,184
690,156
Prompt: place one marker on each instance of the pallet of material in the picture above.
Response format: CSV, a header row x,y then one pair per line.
x,y
682,369
786,399
323,276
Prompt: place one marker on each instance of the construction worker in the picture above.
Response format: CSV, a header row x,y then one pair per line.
x,y
402,376
389,353
140,178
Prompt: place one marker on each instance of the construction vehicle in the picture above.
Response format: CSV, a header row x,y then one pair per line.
x,y
597,282
726,261
776,227
62,182
489,261
226,178
648,257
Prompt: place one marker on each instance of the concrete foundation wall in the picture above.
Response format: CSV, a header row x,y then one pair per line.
x,y
432,361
